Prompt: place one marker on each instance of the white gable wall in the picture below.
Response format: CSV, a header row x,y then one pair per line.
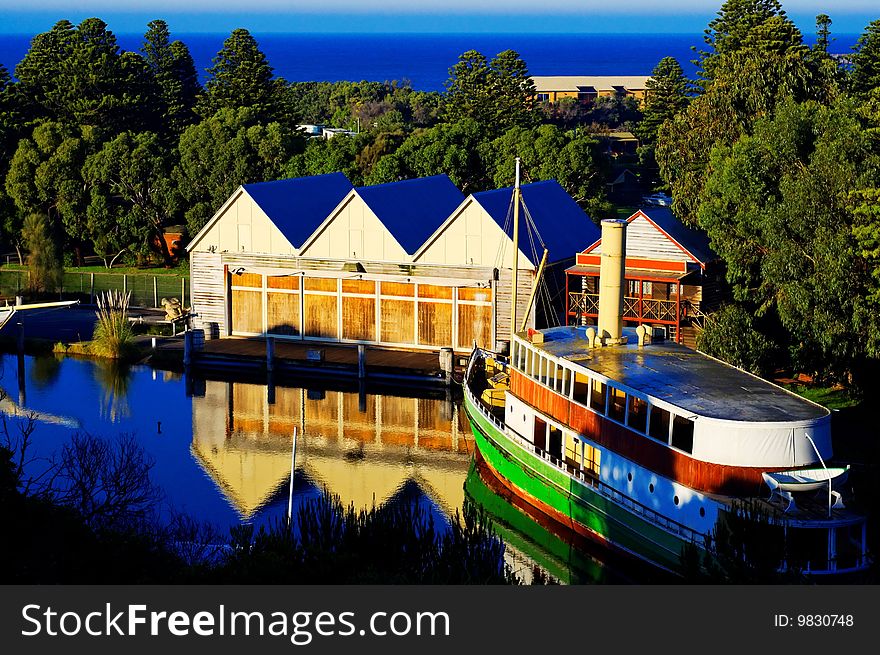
x,y
244,227
355,232
472,238
645,241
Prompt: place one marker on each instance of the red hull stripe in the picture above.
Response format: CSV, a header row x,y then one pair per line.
x,y
672,464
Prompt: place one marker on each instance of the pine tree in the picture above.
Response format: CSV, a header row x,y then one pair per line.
x,y
865,75
667,94
497,94
174,72
823,32
241,77
76,75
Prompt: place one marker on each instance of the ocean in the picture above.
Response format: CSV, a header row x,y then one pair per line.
x,y
424,59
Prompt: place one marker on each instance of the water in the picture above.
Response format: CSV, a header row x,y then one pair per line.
x,y
425,59
223,453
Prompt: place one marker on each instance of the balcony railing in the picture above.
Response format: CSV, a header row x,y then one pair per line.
x,y
587,304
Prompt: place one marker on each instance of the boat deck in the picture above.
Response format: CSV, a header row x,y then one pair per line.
x,y
686,378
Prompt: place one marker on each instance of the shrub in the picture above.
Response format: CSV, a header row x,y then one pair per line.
x,y
113,336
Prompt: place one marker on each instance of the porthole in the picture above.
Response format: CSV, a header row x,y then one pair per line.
x,y
675,499
524,418
511,408
651,487
702,511
629,477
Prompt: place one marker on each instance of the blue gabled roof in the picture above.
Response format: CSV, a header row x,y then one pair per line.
x,y
561,223
299,205
695,241
412,209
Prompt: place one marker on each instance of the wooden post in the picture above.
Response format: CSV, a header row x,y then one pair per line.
x,y
446,363
187,348
182,292
362,361
91,288
270,353
124,284
155,292
20,343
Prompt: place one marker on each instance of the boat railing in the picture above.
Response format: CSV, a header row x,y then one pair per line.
x,y
588,479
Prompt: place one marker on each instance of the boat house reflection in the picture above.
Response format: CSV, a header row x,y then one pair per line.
x,y
362,447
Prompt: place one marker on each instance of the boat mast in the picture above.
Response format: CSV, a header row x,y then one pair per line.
x,y
515,256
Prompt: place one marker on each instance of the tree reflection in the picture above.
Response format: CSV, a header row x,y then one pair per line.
x,y
114,378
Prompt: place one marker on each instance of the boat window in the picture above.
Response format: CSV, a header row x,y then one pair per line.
x,y
597,396
555,446
659,426
683,433
573,450
540,434
581,388
637,418
514,354
558,370
617,404
592,458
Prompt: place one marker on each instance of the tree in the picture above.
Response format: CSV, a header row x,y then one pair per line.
x,y
734,30
45,177
222,152
667,94
497,94
823,33
759,60
241,77
132,195
730,334
451,148
776,207
549,153
77,76
174,72
865,75
44,265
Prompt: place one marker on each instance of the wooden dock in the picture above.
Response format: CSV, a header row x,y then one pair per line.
x,y
321,360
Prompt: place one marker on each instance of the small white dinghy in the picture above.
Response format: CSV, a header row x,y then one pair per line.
x,y
784,483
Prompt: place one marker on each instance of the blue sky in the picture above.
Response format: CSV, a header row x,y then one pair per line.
x,y
849,16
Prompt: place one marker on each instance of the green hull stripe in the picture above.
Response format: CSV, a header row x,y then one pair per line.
x,y
579,503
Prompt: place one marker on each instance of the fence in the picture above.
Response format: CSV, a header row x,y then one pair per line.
x,y
146,290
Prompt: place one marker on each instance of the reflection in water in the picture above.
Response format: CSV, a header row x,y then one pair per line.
x,y
538,546
114,379
362,447
222,449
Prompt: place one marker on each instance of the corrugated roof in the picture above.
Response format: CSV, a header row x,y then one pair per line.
x,y
695,241
412,209
545,83
561,223
299,205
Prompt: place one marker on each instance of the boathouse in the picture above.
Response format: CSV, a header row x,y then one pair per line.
x,y
410,264
672,277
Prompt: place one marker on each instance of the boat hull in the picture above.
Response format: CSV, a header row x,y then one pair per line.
x,y
578,506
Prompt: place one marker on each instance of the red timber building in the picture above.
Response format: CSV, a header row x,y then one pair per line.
x,y
672,277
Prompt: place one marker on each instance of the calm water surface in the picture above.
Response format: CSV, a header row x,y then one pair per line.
x,y
222,451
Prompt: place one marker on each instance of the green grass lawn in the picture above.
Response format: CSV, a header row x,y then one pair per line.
x,y
830,397
116,270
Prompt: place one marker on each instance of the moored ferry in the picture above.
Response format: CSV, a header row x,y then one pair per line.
x,y
649,446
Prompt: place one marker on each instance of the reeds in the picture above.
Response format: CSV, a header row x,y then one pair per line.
x,y
113,336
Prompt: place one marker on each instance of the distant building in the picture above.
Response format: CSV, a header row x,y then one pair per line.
x,y
672,277
330,132
619,143
410,264
312,131
587,88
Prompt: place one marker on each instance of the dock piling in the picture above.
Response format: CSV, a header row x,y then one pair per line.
x,y
446,364
270,353
187,349
362,362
